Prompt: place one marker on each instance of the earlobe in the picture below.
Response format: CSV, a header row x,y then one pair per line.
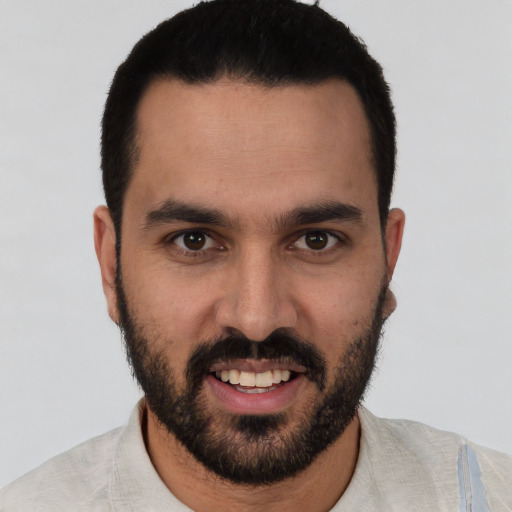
x,y
105,246
389,303
394,231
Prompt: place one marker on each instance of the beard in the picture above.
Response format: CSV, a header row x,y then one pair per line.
x,y
252,449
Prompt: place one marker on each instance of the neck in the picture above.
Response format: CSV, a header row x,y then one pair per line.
x,y
316,489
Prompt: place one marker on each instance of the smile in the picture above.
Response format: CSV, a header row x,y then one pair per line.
x,y
253,387
254,382
252,379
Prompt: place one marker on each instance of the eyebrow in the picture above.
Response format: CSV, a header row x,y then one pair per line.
x,y
174,211
320,212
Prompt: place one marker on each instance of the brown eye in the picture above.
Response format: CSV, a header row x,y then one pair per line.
x,y
194,241
316,240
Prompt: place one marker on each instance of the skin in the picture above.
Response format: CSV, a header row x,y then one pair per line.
x,y
255,154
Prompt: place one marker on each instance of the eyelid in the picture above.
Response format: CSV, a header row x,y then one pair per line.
x,y
339,238
208,242
214,244
171,240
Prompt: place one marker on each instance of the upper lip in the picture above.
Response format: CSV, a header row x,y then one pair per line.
x,y
257,365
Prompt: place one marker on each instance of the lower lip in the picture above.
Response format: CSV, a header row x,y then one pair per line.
x,y
269,402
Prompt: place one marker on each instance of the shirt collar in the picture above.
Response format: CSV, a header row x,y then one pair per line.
x,y
134,483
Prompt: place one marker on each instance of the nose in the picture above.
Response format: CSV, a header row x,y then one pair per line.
x,y
257,298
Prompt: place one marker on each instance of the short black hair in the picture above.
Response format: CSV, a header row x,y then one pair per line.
x,y
266,42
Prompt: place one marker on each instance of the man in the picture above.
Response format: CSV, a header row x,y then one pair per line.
x,y
246,252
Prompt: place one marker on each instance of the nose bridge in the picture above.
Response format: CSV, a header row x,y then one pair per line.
x,y
256,301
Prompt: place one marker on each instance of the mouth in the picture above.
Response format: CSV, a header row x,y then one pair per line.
x,y
255,382
256,387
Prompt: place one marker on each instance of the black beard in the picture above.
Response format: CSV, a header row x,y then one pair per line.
x,y
252,449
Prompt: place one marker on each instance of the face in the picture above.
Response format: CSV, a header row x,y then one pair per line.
x,y
251,283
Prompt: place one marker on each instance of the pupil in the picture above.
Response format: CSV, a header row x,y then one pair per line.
x,y
194,240
316,240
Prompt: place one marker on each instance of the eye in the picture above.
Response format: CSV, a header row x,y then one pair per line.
x,y
194,241
316,241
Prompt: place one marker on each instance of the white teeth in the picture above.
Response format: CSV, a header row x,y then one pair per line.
x,y
253,379
234,377
264,380
285,375
276,376
247,379
254,391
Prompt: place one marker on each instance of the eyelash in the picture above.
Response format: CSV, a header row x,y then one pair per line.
x,y
171,241
337,241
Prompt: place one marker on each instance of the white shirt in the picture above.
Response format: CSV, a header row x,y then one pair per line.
x,y
402,466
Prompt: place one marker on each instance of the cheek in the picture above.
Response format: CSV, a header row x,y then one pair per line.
x,y
170,303
168,317
336,310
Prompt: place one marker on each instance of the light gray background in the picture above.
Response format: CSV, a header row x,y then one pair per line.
x,y
447,354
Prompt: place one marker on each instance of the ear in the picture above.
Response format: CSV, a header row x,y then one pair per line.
x,y
105,245
394,231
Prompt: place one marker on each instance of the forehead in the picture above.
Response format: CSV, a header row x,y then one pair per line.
x,y
210,143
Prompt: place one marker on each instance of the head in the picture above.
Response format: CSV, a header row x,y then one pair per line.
x,y
248,156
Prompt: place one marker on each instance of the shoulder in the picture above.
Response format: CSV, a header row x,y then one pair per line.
x,y
77,478
431,444
449,463
495,469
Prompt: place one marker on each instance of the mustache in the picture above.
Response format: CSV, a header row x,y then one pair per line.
x,y
280,345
